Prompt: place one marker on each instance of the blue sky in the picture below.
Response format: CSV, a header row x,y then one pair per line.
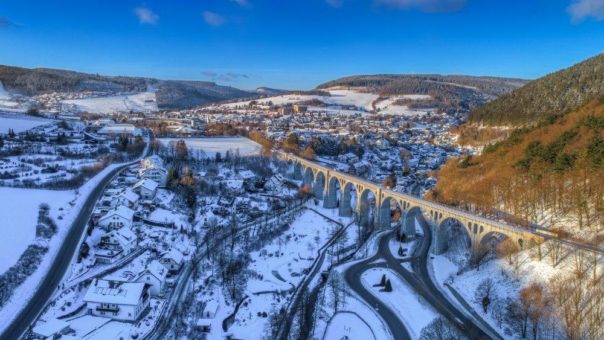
x,y
297,44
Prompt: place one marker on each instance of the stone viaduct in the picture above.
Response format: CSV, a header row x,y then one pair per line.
x,y
373,204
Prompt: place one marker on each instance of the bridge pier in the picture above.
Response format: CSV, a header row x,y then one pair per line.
x,y
439,240
384,216
409,224
362,211
318,191
345,209
330,199
297,172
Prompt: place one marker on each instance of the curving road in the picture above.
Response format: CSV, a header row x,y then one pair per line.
x,y
352,276
419,281
419,264
27,316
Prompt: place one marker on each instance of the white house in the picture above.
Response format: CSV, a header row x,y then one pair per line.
x,y
127,198
155,276
153,168
117,217
114,243
172,260
123,301
159,175
146,188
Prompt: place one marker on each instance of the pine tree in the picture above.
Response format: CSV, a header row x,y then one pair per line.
x,y
388,286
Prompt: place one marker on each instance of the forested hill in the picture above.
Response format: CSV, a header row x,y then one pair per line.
x,y
554,94
449,93
551,173
169,93
390,84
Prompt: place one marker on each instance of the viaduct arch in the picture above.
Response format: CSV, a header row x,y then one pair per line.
x,y
372,205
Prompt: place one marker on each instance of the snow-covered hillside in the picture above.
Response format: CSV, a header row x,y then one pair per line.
x,y
3,93
139,102
353,100
7,102
20,123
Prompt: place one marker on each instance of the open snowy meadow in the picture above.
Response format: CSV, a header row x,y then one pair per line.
x,y
138,102
19,215
209,147
20,123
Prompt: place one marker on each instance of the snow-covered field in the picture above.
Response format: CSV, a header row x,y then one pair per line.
x,y
140,102
19,215
24,292
20,123
348,325
364,101
211,146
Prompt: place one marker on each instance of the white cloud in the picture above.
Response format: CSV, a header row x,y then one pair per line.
x,y
213,19
146,16
242,3
335,3
225,77
7,23
425,5
581,9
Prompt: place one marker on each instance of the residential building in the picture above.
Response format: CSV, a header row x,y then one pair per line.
x,y
120,216
172,260
114,244
123,301
155,276
146,188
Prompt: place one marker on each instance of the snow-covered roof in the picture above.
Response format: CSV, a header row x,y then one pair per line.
x,y
124,235
127,129
121,293
156,269
147,183
129,195
246,174
103,121
174,254
121,211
